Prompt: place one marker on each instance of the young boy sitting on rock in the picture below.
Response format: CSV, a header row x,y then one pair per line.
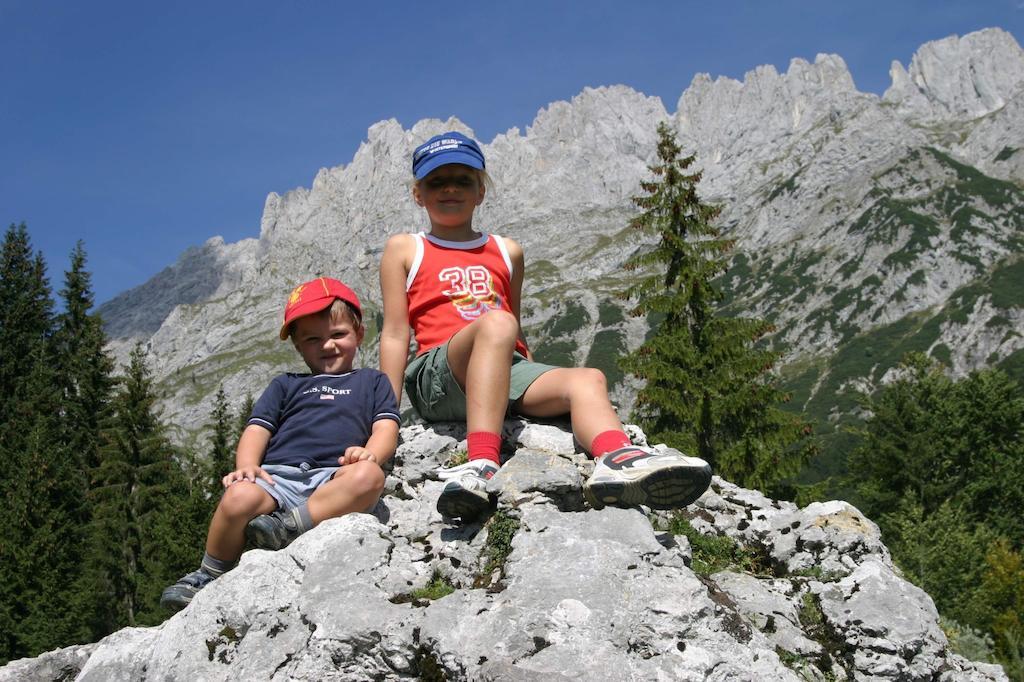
x,y
288,474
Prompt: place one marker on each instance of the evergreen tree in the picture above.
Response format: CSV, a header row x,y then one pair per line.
x,y
138,487
708,387
222,452
28,445
936,440
174,542
931,551
84,381
44,508
242,419
85,376
940,466
26,310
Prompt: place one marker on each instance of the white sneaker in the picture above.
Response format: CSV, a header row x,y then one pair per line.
x,y
465,495
659,479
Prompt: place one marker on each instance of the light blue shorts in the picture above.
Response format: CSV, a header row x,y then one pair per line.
x,y
436,395
294,485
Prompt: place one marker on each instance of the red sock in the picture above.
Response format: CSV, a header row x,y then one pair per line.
x,y
607,441
484,445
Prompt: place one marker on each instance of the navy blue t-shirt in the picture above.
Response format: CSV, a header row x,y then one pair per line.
x,y
314,418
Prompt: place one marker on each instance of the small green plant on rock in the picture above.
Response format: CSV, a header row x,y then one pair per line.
x,y
969,642
713,553
501,529
227,637
816,627
426,666
439,586
817,573
456,458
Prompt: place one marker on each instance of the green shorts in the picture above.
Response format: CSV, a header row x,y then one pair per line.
x,y
436,395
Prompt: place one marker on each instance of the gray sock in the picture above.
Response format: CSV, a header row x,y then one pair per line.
x,y
303,521
215,566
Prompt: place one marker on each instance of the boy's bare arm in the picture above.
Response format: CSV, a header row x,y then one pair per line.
x,y
394,335
379,447
252,446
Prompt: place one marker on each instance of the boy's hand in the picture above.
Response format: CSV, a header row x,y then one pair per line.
x,y
247,474
357,453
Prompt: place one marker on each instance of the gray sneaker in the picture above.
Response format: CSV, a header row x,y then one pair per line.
x,y
275,530
179,595
659,479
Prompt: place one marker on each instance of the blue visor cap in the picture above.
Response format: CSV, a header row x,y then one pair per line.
x,y
444,149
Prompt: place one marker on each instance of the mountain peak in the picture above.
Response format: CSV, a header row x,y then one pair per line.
x,y
958,77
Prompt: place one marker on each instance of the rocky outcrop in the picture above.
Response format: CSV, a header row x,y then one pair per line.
x,y
545,589
958,78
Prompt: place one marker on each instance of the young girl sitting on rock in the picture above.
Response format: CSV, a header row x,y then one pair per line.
x,y
459,289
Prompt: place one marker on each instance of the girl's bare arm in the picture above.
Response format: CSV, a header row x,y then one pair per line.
x,y
394,335
515,253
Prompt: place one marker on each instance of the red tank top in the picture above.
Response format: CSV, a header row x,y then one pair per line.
x,y
450,284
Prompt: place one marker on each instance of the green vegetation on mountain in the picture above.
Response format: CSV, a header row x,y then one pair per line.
x,y
1006,153
940,467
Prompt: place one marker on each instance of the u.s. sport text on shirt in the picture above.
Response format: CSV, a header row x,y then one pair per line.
x,y
327,390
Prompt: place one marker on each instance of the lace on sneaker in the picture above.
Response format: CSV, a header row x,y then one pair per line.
x,y
482,468
624,457
197,579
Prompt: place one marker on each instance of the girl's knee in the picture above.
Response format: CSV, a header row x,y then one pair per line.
x,y
589,379
499,323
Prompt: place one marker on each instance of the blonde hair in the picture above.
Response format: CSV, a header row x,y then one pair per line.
x,y
342,311
338,311
482,176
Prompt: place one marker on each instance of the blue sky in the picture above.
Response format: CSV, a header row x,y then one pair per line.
x,y
144,128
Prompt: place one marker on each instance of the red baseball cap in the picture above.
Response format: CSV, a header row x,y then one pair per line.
x,y
313,296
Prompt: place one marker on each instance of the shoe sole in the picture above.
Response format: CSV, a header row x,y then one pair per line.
x,y
670,488
462,504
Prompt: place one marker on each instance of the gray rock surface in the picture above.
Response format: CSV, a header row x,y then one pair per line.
x,y
578,594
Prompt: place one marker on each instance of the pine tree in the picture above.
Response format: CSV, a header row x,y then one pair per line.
x,y
26,311
85,376
938,440
138,484
242,418
222,454
46,510
28,445
709,390
85,382
940,468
